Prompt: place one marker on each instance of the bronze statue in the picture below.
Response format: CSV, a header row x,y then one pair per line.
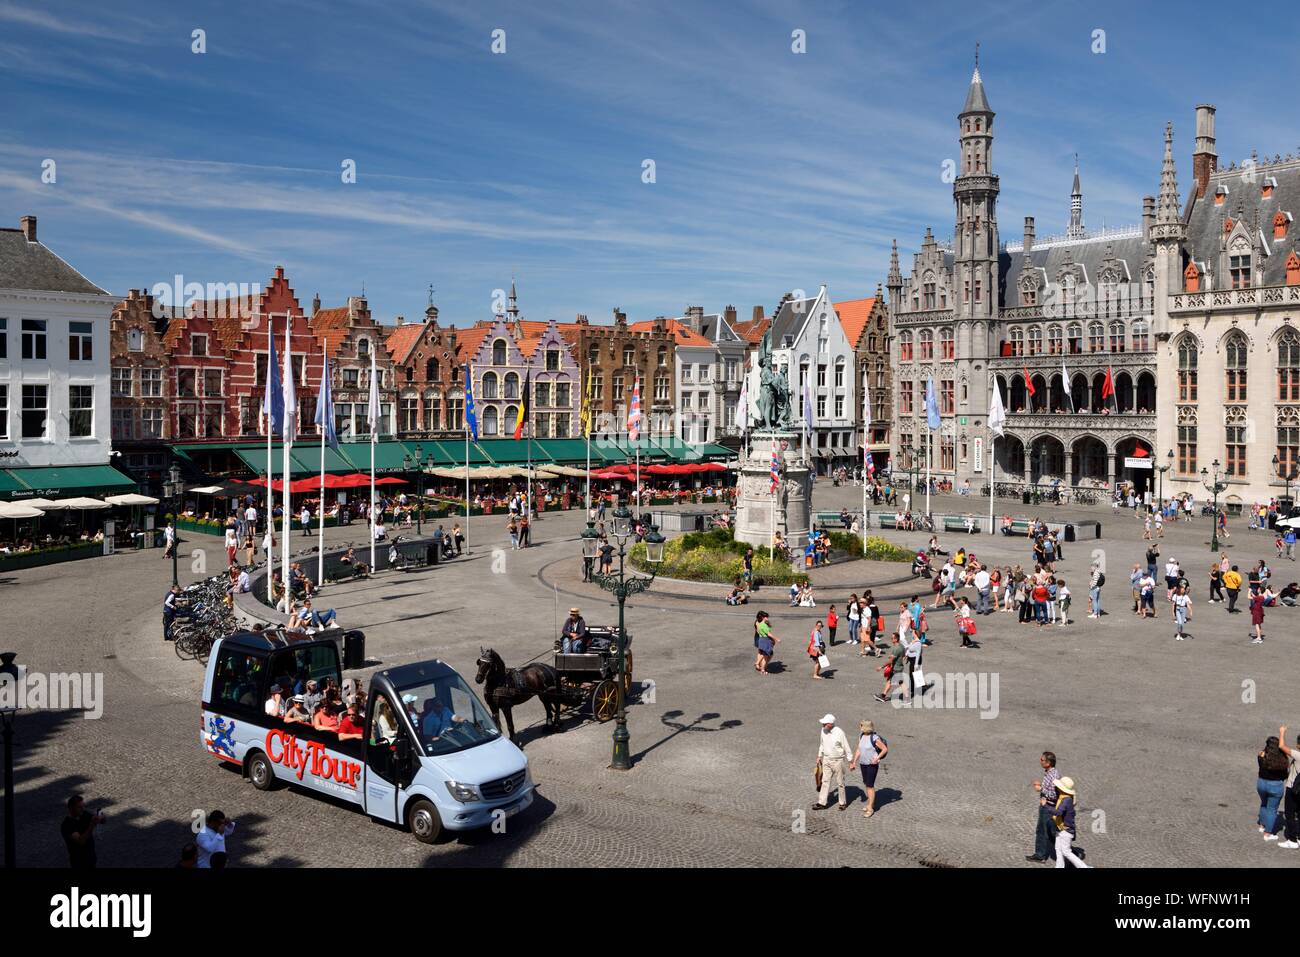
x,y
773,392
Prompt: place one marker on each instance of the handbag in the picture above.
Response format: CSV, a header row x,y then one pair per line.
x,y
919,676
823,661
817,775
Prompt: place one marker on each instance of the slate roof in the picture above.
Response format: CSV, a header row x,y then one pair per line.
x,y
25,265
976,101
1128,253
790,318
1246,201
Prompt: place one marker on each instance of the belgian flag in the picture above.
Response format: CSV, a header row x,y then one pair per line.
x,y
523,406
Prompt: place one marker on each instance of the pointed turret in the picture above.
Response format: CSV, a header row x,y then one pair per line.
x,y
1075,230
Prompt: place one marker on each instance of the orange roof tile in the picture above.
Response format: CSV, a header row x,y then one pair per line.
x,y
402,339
681,332
854,315
752,330
468,341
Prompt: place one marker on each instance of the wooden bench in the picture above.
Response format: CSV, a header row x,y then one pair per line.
x,y
887,521
1018,527
955,523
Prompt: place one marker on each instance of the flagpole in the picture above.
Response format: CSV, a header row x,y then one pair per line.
x,y
289,384
465,422
321,412
929,461
270,477
373,413
993,471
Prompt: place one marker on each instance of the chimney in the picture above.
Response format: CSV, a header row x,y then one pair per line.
x,y
694,317
1148,216
1204,158
730,315
400,320
582,319
29,228
315,304
431,315
620,317
758,313
1029,235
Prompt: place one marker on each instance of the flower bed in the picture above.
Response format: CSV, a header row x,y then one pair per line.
x,y
715,556
50,556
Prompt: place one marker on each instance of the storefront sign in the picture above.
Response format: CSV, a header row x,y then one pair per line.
x,y
1137,462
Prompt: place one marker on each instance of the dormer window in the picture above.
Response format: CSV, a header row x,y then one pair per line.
x,y
1191,278
1270,184
1228,224
1280,221
1220,195
1293,269
1239,271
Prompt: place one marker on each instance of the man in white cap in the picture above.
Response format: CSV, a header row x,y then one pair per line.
x,y
833,755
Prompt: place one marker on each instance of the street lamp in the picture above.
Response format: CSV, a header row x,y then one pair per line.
x,y
418,465
622,586
174,489
1214,484
11,676
1162,469
590,547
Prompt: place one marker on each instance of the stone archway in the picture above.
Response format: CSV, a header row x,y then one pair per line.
x,y
1046,459
1089,460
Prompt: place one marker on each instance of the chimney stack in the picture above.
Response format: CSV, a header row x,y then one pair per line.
x,y
758,313
1148,216
1029,235
29,228
315,304
730,315
1204,158
400,320
694,317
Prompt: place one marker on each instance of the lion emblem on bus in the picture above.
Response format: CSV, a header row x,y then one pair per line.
x,y
219,735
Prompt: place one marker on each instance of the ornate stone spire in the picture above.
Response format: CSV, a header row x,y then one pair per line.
x,y
1076,230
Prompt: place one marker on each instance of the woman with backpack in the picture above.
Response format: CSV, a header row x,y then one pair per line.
x,y
871,750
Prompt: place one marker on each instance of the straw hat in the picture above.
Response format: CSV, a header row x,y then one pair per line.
x,y
1066,785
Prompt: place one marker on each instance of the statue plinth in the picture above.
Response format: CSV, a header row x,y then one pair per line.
x,y
759,511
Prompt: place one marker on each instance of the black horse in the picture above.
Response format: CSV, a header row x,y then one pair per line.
x,y
503,688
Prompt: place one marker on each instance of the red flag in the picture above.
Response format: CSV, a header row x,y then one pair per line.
x,y
1108,384
1029,383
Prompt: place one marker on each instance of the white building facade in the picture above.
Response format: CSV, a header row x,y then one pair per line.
x,y
54,358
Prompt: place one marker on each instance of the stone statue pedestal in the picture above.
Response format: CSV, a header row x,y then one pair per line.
x,y
793,498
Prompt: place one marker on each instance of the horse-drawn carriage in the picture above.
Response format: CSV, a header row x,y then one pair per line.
x,y
588,679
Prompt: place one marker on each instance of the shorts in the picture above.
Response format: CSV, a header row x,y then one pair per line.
x,y
869,772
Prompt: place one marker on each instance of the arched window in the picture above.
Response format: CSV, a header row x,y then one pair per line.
x,y
593,354
1187,440
499,352
926,338
1096,337
661,358
946,346
508,420
1074,338
1054,340
1288,439
1234,426
431,370
1035,340
839,373
363,347
1288,367
489,385
490,420
1017,341
1188,359
511,386
1235,350
905,347
1117,337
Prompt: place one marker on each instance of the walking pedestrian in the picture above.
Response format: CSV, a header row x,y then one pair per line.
x,y
1257,617
1063,816
854,612
1096,578
1232,585
1045,831
212,839
1271,785
871,750
764,641
78,829
1216,584
833,755
816,648
1062,602
169,540
305,517
1291,795
232,545
1182,603
893,666
832,620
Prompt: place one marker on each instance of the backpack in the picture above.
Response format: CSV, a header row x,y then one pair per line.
x,y
875,752
1101,579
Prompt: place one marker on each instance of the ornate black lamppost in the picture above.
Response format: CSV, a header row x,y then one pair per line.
x,y
174,489
420,464
622,586
1162,469
1214,484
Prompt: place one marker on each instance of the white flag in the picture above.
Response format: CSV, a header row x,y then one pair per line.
x,y
997,414
742,404
372,412
866,402
290,390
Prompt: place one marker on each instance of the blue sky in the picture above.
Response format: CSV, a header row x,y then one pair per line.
x,y
774,170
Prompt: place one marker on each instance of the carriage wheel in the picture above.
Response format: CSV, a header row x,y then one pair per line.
x,y
627,673
604,700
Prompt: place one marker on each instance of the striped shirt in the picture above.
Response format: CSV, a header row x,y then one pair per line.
x,y
1049,785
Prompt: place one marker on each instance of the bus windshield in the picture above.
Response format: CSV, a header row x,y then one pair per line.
x,y
447,715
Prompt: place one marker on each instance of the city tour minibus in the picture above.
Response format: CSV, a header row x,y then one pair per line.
x,y
430,758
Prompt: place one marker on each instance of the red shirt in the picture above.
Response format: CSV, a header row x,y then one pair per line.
x,y
1041,593
350,726
832,620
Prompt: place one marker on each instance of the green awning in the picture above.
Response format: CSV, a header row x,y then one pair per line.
x,y
516,451
9,484
308,457
389,455
66,481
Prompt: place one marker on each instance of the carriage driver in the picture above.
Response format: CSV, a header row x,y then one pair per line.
x,y
573,636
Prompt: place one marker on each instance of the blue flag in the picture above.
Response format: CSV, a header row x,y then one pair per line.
x,y
931,406
273,400
325,409
471,420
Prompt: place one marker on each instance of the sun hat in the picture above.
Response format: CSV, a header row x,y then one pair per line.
x,y
827,719
1066,785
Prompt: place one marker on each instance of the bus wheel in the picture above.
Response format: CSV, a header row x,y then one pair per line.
x,y
422,818
260,773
